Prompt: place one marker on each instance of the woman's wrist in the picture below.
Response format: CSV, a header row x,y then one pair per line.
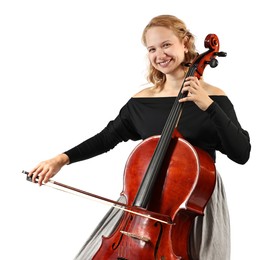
x,y
63,159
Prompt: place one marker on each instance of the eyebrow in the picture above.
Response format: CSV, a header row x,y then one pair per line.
x,y
167,41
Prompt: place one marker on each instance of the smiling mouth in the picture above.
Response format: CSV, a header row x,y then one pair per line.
x,y
164,63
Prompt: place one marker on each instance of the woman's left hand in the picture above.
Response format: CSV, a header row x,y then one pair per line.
x,y
196,93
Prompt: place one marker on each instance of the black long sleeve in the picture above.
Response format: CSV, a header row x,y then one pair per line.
x,y
234,141
114,133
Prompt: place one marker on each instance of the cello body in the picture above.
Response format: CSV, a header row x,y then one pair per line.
x,y
183,188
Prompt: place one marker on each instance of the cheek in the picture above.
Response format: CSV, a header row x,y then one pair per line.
x,y
152,59
182,54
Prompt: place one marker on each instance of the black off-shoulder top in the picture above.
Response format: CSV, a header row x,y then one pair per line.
x,y
216,129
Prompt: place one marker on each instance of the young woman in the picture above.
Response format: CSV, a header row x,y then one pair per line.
x,y
208,121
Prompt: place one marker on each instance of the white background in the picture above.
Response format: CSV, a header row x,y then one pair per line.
x,y
67,67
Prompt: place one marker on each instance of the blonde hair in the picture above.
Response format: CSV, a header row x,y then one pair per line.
x,y
180,30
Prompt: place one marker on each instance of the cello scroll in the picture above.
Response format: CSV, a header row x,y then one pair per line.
x,y
207,58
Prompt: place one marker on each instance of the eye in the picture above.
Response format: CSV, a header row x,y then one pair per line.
x,y
166,45
151,50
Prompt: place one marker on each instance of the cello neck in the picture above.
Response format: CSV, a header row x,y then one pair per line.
x,y
145,190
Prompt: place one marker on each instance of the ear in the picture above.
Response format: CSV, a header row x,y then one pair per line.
x,y
184,41
185,49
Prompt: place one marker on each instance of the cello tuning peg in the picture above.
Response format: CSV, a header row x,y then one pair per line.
x,y
221,54
213,63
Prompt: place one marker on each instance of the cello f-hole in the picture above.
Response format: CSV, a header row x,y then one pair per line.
x,y
115,245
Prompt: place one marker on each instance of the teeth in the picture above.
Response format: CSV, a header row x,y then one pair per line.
x,y
164,62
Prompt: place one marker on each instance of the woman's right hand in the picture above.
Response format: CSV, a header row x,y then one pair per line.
x,y
49,168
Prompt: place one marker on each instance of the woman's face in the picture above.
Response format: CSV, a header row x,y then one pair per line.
x,y
165,51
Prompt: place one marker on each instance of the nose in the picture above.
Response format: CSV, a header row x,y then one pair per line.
x,y
160,53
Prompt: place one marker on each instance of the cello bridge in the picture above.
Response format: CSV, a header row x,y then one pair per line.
x,y
134,236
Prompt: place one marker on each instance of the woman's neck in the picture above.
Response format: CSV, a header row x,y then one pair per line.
x,y
173,83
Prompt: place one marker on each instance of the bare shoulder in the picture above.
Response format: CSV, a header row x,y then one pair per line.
x,y
213,90
146,92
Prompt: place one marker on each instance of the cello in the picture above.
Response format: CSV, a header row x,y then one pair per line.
x,y
164,176
167,175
